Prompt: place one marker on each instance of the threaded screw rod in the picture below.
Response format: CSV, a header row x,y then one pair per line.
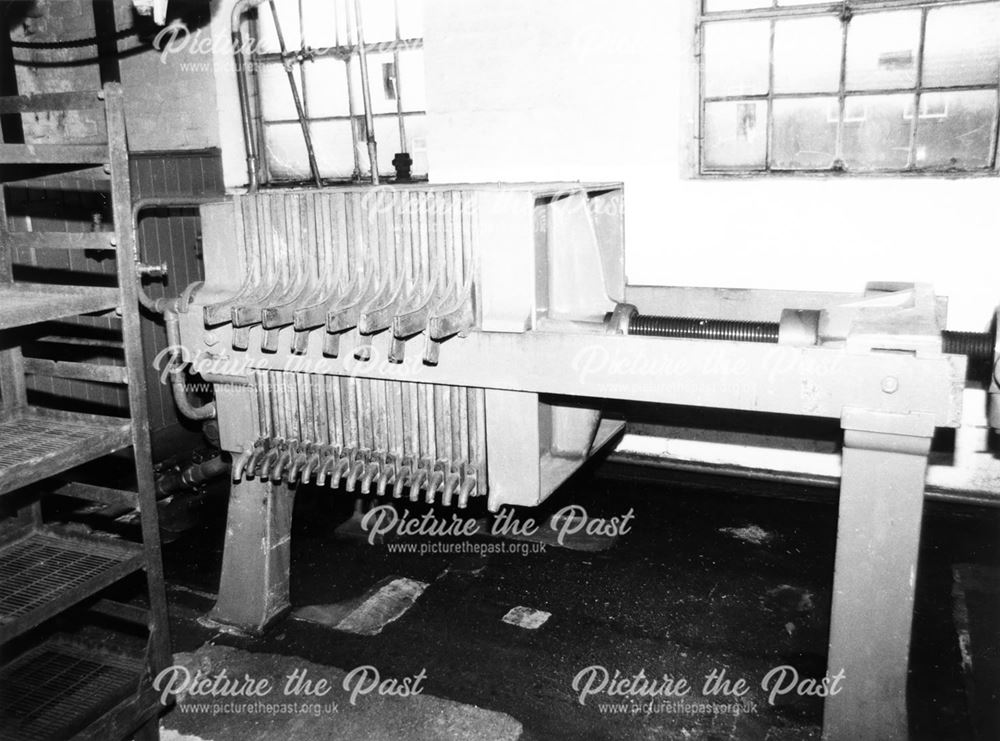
x,y
977,346
648,325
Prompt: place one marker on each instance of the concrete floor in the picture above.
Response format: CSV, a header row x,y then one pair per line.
x,y
709,578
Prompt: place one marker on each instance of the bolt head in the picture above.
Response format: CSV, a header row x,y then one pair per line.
x,y
890,384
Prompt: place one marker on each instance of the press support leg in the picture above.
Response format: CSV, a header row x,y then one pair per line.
x,y
253,590
878,539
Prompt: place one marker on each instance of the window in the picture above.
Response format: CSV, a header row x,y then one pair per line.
x,y
855,86
322,52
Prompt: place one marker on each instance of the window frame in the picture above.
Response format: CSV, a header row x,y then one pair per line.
x,y
845,10
346,51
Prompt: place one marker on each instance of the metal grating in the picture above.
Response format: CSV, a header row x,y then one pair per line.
x,y
22,437
45,568
35,444
55,690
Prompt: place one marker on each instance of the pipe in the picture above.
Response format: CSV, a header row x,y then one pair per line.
x,y
157,306
178,479
296,98
243,85
398,85
176,372
352,114
366,94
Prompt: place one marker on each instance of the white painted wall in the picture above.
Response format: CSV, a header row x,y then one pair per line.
x,y
592,89
601,90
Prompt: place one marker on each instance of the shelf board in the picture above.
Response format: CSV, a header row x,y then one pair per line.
x,y
57,689
46,571
37,443
22,304
54,154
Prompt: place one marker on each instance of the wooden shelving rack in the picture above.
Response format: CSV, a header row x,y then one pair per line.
x,y
57,688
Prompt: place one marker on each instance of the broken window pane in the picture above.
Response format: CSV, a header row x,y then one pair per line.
x,y
962,46
955,129
882,50
807,55
877,131
805,133
735,134
736,58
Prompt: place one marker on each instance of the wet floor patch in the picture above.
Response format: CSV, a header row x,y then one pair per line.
x,y
526,617
384,603
750,534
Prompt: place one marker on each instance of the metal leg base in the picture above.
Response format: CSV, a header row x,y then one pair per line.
x,y
253,591
878,539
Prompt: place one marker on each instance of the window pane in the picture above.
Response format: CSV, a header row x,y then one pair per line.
x,y
285,150
381,93
735,134
287,159
882,50
955,129
805,133
807,55
326,88
288,17
963,45
714,6
736,57
411,19
324,24
787,3
877,131
276,102
332,143
379,18
387,135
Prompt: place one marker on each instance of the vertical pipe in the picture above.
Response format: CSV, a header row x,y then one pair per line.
x,y
366,93
397,85
249,141
914,129
303,122
350,94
